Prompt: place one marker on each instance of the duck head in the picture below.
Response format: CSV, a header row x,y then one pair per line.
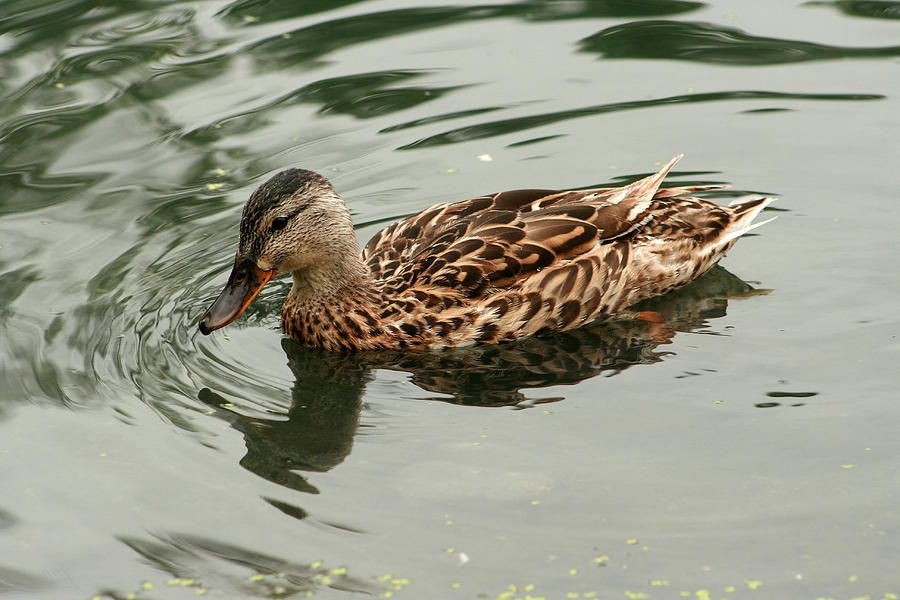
x,y
293,223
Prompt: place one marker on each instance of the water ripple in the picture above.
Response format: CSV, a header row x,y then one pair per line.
x,y
506,126
239,572
705,42
872,9
309,43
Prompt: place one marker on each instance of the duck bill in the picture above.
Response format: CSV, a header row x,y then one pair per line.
x,y
243,285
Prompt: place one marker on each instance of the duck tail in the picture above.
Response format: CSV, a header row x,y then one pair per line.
x,y
639,195
744,213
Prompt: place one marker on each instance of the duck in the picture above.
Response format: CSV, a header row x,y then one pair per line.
x,y
491,269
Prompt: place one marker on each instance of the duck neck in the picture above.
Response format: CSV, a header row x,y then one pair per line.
x,y
330,282
328,305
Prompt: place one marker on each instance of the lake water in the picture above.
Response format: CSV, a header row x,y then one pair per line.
x,y
748,449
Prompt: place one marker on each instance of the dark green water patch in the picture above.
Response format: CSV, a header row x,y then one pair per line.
x,y
710,43
506,126
872,9
314,41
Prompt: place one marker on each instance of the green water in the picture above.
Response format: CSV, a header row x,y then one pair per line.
x,y
749,452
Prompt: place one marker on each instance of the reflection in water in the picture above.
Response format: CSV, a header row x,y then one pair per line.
x,y
264,11
321,421
505,126
327,395
704,42
324,37
874,9
204,563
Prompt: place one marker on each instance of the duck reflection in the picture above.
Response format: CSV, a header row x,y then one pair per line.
x,y
327,394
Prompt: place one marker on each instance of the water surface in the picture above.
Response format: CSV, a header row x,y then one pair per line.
x,y
747,449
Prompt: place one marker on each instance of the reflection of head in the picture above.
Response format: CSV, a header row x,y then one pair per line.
x,y
318,432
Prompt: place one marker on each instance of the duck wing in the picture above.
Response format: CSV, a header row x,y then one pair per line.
x,y
497,241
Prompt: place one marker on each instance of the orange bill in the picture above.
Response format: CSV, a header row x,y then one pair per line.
x,y
244,283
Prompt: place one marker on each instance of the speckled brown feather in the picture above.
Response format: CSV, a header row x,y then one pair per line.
x,y
504,266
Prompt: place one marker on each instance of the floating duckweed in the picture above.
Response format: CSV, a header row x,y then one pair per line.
x,y
590,594
573,595
455,585
862,598
702,594
200,591
220,171
280,575
214,186
547,412
730,589
399,583
175,581
448,522
528,587
280,590
853,578
147,585
450,550
130,596
535,502
636,595
316,564
888,595
187,582
848,466
601,559
573,571
384,577
752,583
632,542
257,577
450,170
339,571
386,594
658,582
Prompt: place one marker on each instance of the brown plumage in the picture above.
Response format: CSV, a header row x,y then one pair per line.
x,y
494,268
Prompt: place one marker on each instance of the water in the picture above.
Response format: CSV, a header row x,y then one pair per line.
x,y
748,449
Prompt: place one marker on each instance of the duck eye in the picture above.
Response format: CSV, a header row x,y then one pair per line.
x,y
278,223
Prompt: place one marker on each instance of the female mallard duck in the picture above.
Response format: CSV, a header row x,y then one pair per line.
x,y
491,269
